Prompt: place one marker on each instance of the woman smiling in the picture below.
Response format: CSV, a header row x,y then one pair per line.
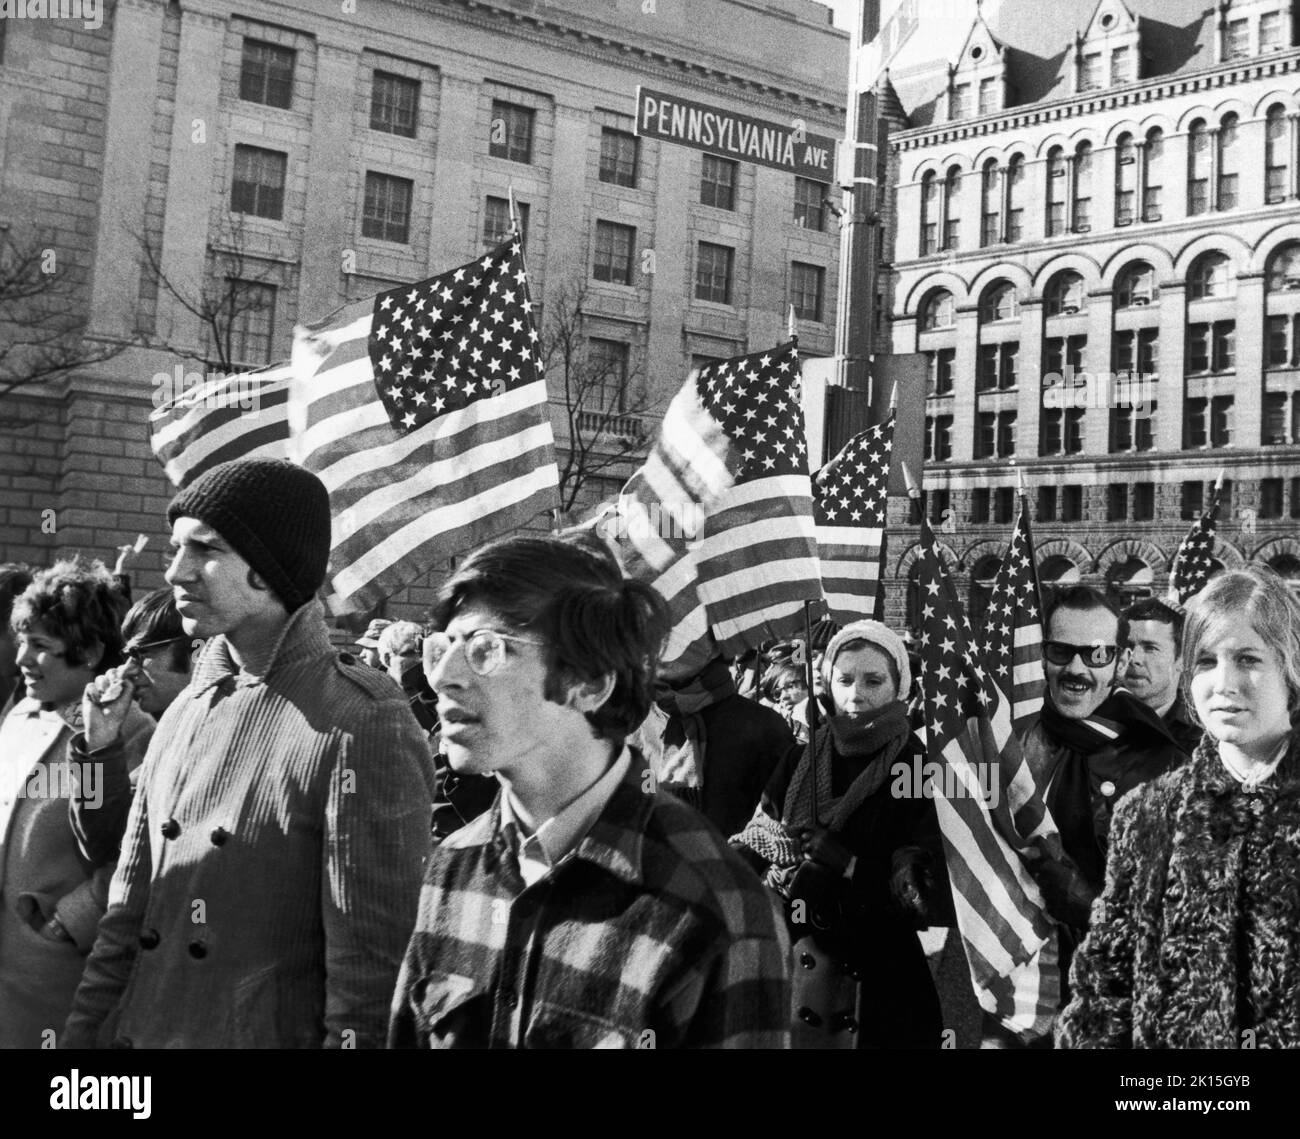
x,y
1192,944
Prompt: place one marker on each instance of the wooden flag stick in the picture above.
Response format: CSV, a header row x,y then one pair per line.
x,y
913,491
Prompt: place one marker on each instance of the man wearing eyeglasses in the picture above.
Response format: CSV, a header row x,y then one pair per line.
x,y
271,864
1091,744
586,908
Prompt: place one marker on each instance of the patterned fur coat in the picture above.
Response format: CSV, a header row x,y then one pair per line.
x,y
1195,942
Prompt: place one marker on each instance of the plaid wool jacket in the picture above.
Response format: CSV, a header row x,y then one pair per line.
x,y
650,933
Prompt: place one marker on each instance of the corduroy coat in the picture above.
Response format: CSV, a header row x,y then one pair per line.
x,y
42,873
271,868
1193,943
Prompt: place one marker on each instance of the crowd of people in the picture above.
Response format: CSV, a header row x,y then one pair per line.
x,y
504,827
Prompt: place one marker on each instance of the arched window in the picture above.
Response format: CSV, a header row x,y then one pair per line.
x,y
1153,173
1284,269
1125,180
1065,294
990,204
929,214
1229,164
1198,168
939,311
1211,276
1083,187
1054,574
1016,198
1276,160
952,208
999,303
1136,286
1058,190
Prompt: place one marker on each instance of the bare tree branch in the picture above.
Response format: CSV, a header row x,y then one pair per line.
x,y
43,315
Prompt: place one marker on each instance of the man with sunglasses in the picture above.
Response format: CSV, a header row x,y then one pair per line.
x,y
586,908
1091,744
271,864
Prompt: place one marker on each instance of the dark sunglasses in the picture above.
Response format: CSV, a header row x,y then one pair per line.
x,y
1094,656
138,652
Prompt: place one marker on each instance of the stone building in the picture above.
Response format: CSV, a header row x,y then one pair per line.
x,y
1097,250
293,156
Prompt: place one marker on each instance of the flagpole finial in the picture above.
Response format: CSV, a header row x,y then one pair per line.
x,y
515,227
913,491
893,397
792,326
1218,482
1020,481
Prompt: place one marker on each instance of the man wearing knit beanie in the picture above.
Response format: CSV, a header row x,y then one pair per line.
x,y
271,868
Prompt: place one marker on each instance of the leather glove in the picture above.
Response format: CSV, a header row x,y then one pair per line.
x,y
918,887
822,847
1068,898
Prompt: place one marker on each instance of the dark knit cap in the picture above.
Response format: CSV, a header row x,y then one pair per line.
x,y
275,515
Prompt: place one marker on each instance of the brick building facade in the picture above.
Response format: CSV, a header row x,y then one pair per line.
x,y
1098,253
315,154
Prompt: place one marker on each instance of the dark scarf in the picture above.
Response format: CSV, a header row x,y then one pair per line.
x,y
685,739
1070,798
880,740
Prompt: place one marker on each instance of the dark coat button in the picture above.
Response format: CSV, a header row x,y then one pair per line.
x,y
171,829
809,1017
149,939
219,836
807,960
198,950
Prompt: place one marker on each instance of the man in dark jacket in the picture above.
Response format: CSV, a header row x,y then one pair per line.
x,y
1154,642
1092,743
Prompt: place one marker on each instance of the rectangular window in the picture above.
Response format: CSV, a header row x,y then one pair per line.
x,y
1194,425
989,225
1225,345
1015,224
618,157
1278,348
1270,498
713,273
1120,66
1275,419
979,505
1192,501
1071,503
929,238
266,74
1121,429
511,136
607,367
1050,438
1295,498
393,99
1082,215
1046,504
986,435
1151,203
1144,501
939,498
1237,42
959,103
1270,32
987,377
988,96
387,212
1125,207
1198,195
1004,504
806,283
809,210
1090,72
1228,191
1117,502
1148,362
1221,421
1073,430
252,321
1144,433
718,182
1198,348
496,221
614,244
942,450
1125,351
1275,184
1006,434
258,186
1055,218
940,365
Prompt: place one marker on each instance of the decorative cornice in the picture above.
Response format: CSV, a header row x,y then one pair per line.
x,y
1075,106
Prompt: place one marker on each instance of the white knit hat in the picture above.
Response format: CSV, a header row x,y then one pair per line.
x,y
874,633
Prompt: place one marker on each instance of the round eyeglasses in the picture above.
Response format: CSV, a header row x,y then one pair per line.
x,y
485,649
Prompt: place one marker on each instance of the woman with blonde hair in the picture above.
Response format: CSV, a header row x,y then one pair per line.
x,y
1193,942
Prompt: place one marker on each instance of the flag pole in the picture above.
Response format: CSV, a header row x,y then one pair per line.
x,y
893,397
913,491
515,228
792,327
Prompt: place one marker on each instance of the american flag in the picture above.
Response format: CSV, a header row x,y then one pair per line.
x,y
423,410
733,454
1192,565
1012,649
1008,935
228,417
850,495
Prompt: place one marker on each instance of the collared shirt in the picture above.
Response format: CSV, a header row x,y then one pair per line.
x,y
540,851
651,932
